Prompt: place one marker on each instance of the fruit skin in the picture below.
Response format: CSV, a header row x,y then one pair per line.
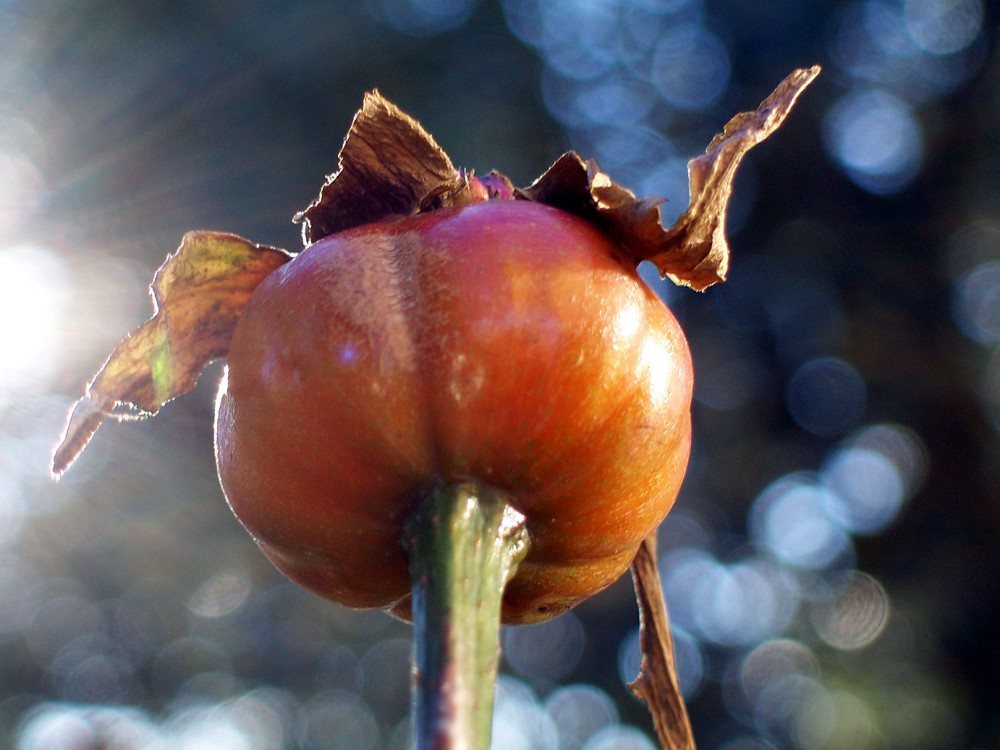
x,y
506,343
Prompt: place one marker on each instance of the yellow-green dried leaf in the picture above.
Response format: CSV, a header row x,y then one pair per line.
x,y
198,295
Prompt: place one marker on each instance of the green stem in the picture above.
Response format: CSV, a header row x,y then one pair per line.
x,y
465,543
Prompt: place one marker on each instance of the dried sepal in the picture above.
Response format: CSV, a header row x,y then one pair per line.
x,y
693,252
699,234
657,682
198,295
388,166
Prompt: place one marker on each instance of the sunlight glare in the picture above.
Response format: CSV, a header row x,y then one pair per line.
x,y
33,292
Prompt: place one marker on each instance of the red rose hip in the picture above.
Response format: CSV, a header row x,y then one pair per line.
x,y
506,343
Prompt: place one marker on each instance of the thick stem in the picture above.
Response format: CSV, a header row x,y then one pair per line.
x,y
465,543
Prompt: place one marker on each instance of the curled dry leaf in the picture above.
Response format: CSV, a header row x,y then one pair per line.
x,y
388,166
698,239
198,294
693,252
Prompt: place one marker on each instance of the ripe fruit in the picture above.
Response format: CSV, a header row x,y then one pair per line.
x,y
506,343
459,390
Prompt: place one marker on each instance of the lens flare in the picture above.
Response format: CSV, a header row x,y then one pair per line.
x,y
33,293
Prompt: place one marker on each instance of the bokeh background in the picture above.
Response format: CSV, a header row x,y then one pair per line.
x,y
832,565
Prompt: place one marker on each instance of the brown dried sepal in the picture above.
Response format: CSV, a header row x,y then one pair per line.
x,y
198,295
693,252
657,683
389,166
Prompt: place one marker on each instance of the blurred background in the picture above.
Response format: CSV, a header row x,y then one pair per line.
x,y
832,565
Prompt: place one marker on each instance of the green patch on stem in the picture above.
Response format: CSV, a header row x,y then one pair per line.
x,y
465,543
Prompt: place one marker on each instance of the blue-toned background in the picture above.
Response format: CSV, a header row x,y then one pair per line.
x,y
832,566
